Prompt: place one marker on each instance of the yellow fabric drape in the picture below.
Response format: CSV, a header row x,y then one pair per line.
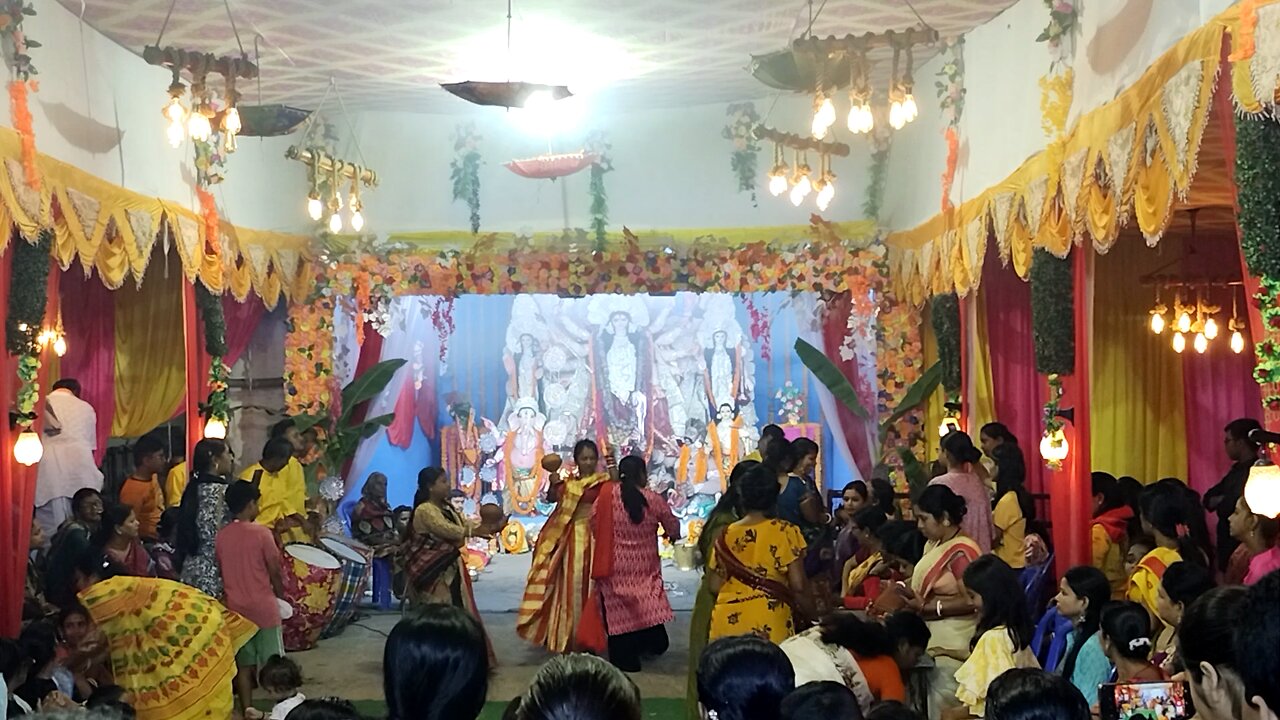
x,y
982,408
1137,412
933,409
150,363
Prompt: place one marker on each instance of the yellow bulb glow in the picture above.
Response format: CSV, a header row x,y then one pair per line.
x,y
1179,342
176,133
198,126
909,109
335,223
825,195
777,184
231,121
357,220
1262,490
60,346
1211,329
175,111
215,429
1237,342
27,449
1184,322
948,425
896,118
1054,446
1201,343
1157,323
315,208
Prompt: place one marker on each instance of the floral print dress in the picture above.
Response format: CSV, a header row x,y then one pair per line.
x,y
767,549
201,570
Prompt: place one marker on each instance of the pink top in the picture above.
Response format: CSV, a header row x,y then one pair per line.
x,y
634,598
246,551
1262,565
977,525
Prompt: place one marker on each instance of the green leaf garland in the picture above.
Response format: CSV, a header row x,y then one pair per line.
x,y
464,170
944,312
1257,158
597,144
744,161
27,293
1053,313
209,306
879,174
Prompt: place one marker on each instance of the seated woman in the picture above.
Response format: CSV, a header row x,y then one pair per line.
x,y
758,566
1002,641
69,544
1258,553
117,538
1082,594
864,656
373,523
865,524
1126,639
853,498
1181,585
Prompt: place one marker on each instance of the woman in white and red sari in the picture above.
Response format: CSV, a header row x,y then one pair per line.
x,y
626,571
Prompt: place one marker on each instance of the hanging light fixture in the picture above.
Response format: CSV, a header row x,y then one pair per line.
x,y
861,119
801,184
910,111
1201,343
826,184
1262,489
1179,342
27,449
1235,326
779,173
824,115
353,201
175,112
215,429
231,125
1184,322
1054,447
1157,315
897,109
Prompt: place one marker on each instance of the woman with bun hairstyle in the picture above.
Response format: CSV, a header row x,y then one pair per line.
x,y
1127,641
961,458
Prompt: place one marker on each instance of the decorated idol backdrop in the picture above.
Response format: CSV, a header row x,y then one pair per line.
x,y
686,380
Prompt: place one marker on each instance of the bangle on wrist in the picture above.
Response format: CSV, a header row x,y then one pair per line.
x,y
938,609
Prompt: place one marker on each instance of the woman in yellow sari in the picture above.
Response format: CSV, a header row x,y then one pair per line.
x,y
1167,519
560,577
937,592
758,567
171,646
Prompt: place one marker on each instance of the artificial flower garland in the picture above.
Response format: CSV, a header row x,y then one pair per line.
x,y
741,131
11,25
760,326
464,170
879,175
218,405
1053,423
308,358
28,298
1258,190
597,144
944,311
951,93
1053,327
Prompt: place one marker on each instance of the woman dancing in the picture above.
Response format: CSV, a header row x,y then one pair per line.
x,y
560,577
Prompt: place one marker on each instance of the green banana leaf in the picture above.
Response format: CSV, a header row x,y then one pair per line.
x,y
367,386
914,471
831,376
916,396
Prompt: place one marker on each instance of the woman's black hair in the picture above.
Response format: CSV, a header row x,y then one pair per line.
x,y
325,708
12,661
744,678
1011,477
584,444
280,674
1128,626
901,539
204,453
113,516
39,642
758,489
188,538
427,477
825,699
803,447
864,637
907,627
1003,600
998,431
1184,582
780,456
634,475
1166,509
960,446
1026,694
883,490
1208,631
891,710
436,666
857,486
730,502
1258,639
1130,489
580,687
1089,583
70,611
1106,485
870,519
941,501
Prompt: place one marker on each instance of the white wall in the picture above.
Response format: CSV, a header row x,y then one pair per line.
x,y
671,171
98,108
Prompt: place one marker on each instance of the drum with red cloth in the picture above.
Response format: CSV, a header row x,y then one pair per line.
x,y
311,578
357,561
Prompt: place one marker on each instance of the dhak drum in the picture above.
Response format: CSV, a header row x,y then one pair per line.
x,y
311,577
356,566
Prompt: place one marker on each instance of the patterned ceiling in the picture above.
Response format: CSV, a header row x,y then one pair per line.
x,y
392,53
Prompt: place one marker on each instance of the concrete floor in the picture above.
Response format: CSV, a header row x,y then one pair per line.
x,y
350,665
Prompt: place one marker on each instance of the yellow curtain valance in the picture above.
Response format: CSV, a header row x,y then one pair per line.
x,y
1128,160
113,230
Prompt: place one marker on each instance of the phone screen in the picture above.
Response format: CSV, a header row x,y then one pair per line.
x,y
1162,700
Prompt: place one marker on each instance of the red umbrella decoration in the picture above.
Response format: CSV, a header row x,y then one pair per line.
x,y
550,167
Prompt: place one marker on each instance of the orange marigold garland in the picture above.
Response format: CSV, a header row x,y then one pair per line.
x,y
1245,40
212,225
949,175
22,123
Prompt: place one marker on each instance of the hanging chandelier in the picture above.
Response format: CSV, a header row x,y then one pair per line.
x,y
1196,318
326,175
799,177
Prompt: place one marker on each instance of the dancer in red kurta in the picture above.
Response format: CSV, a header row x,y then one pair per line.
x,y
627,572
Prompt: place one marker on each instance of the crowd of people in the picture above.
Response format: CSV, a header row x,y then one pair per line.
x,y
167,600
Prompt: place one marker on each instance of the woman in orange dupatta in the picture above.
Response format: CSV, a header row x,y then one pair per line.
x,y
560,577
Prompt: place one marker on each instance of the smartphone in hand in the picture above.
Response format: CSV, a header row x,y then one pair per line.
x,y
1159,700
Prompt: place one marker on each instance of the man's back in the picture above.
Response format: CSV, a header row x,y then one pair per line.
x,y
70,438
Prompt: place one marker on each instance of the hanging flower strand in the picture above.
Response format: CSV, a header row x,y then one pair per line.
x,y
740,129
951,92
12,15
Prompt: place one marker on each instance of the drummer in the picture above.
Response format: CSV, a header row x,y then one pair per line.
x,y
250,563
282,482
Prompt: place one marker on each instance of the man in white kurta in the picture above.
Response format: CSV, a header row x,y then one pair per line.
x,y
70,439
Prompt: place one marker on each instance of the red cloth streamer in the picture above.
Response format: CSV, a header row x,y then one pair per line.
x,y
400,432
949,175
760,327
91,347
22,123
209,213
834,326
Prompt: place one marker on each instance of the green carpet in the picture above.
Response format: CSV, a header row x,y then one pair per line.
x,y
656,708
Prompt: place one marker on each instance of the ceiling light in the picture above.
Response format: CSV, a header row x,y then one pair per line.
x,y
1179,342
1237,342
1211,329
1184,322
1201,343
335,223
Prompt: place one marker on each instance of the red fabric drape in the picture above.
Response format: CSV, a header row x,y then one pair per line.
x,y
400,432
370,355
1217,388
1071,487
13,558
834,327
197,367
1018,388
91,347
242,319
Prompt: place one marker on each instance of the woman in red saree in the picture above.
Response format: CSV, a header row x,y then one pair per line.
x,y
118,539
626,570
560,577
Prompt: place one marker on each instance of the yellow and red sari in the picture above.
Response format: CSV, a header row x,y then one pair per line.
x,y
560,577
171,646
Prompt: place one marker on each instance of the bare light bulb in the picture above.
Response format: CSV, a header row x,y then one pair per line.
x,y
1179,342
777,184
28,449
896,118
335,223
60,346
1184,322
231,121
175,110
1201,343
1237,342
818,129
198,126
909,109
1157,323
315,208
825,195
824,116
357,220
801,190
1211,329
215,429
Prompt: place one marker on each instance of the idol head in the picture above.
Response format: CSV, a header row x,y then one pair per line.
x,y
527,343
725,412
618,323
720,338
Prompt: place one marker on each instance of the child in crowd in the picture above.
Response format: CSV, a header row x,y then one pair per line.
x,y
1003,638
1126,639
1138,549
281,679
114,699
328,708
83,651
250,563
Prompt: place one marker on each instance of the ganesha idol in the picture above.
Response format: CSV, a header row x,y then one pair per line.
x,y
522,446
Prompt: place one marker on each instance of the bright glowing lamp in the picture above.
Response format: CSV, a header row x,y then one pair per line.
x,y
231,121
1237,342
801,190
1184,322
335,223
778,183
1179,342
1054,447
826,194
1201,343
948,425
315,208
215,429
198,126
1211,328
1157,323
1262,490
60,346
357,220
897,119
909,109
28,450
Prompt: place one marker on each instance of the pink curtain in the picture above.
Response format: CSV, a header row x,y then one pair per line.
x,y
90,326
1217,387
1019,396
242,320
834,327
